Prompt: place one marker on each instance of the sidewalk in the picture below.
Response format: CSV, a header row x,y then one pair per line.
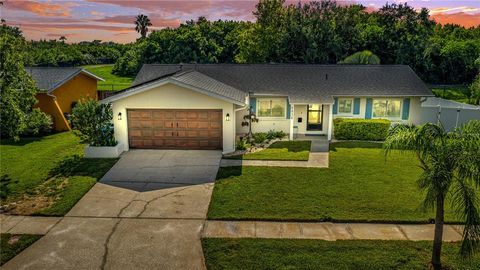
x,y
317,158
27,224
327,230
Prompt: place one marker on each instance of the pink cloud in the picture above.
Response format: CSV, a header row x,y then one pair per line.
x,y
45,9
461,18
157,22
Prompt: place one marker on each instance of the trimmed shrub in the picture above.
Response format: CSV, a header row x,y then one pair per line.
x,y
272,134
361,129
38,123
259,137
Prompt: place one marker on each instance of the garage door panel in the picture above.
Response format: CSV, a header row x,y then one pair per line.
x,y
175,129
158,123
181,115
169,124
214,125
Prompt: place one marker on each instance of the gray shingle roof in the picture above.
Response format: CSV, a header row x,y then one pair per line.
x,y
50,78
203,82
303,83
190,79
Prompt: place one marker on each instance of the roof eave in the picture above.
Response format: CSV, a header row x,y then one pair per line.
x,y
146,87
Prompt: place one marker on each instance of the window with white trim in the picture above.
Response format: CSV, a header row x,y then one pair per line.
x,y
345,106
271,107
387,108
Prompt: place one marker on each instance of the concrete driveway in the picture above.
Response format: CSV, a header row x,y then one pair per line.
x,y
144,170
148,212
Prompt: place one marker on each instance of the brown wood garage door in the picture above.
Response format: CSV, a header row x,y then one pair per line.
x,y
175,129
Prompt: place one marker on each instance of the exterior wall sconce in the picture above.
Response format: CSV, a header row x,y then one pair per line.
x,y
227,117
119,116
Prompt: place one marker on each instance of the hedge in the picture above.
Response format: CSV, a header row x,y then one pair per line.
x,y
361,129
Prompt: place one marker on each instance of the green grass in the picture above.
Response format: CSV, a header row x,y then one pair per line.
x,y
283,150
358,186
112,81
51,166
9,250
337,255
456,93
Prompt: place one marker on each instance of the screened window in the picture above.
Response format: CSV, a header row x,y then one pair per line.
x,y
387,108
271,108
345,105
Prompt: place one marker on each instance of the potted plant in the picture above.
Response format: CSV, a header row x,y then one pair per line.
x,y
92,122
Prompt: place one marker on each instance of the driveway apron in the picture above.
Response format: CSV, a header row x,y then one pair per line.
x,y
147,212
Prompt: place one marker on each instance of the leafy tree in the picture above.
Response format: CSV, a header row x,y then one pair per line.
x,y
17,89
451,172
362,58
92,122
142,22
475,90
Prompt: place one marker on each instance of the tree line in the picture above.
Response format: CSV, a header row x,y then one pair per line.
x,y
321,32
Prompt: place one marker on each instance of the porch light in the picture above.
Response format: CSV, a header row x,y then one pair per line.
x,y
227,117
119,116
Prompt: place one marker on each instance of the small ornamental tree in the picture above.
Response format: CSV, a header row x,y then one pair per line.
x,y
248,119
92,122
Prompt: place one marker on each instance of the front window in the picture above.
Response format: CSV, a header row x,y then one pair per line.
x,y
387,108
345,106
271,108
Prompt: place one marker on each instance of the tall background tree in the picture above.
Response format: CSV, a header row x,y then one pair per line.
x,y
361,58
451,172
17,89
142,22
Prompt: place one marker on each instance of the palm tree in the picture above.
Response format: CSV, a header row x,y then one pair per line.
x,y
361,58
142,23
451,171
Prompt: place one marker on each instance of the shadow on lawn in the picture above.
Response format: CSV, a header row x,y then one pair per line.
x,y
21,142
355,144
226,172
292,146
80,166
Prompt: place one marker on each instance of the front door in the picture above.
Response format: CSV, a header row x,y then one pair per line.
x,y
314,117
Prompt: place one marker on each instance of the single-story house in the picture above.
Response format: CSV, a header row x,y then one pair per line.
x,y
60,88
201,106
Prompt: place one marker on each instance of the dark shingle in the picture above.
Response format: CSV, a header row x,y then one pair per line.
x,y
304,83
49,78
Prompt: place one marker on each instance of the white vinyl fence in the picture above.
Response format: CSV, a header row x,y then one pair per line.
x,y
450,113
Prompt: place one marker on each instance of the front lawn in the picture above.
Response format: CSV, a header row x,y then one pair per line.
x,y
283,150
358,186
11,245
47,175
317,254
112,82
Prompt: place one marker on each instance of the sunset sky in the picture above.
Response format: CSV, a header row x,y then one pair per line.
x,y
113,19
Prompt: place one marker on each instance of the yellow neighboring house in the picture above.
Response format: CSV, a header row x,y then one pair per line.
x,y
60,88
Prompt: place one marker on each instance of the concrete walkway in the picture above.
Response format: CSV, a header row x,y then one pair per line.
x,y
153,220
327,230
27,224
317,158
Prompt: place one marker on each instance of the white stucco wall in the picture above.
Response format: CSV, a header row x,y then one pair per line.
x,y
170,96
413,117
263,125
